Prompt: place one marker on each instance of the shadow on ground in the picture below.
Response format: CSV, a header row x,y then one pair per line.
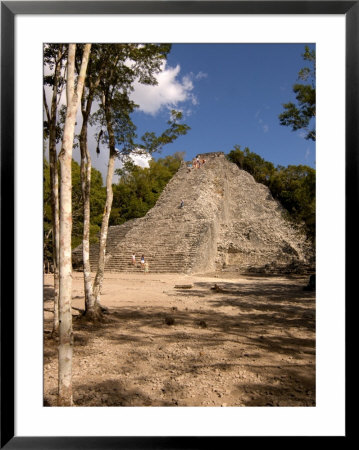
x,y
263,320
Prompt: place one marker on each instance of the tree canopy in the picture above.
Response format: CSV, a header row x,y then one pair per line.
x,y
114,69
300,115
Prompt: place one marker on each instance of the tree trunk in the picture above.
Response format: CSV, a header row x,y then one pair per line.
x,y
55,235
91,310
54,185
106,215
104,229
65,267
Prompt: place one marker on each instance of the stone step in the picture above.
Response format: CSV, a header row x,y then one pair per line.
x,y
150,256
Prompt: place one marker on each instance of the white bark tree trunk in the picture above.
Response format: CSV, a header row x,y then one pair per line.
x,y
92,310
86,165
104,230
65,267
97,286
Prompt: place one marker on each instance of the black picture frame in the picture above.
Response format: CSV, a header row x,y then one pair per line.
x,y
9,9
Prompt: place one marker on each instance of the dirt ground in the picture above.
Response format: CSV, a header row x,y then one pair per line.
x,y
249,342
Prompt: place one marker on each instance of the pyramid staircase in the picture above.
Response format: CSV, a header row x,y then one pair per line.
x,y
114,236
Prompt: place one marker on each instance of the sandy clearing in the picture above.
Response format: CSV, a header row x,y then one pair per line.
x,y
251,342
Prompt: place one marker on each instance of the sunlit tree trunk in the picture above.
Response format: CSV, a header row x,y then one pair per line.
x,y
106,215
86,165
65,260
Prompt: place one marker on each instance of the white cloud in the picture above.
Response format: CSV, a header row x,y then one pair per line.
x,y
168,93
171,91
263,125
141,160
200,75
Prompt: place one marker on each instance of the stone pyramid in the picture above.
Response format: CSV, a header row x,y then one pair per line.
x,y
228,221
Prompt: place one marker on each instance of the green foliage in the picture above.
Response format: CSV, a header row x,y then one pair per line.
x,y
54,57
139,188
98,195
292,186
109,65
299,116
97,203
251,162
111,79
152,143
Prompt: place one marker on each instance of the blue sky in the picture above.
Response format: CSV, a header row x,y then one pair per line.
x,y
229,94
